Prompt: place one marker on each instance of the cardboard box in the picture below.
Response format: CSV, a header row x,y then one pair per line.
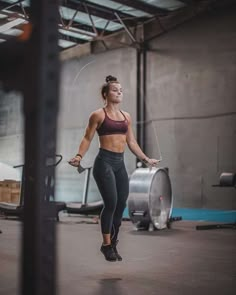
x,y
5,195
10,191
11,183
15,195
0,192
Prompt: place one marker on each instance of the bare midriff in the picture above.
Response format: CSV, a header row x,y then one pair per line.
x,y
113,142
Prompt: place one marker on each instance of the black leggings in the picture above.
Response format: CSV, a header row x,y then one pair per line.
x,y
112,180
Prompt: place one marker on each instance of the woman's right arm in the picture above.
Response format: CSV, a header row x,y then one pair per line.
x,y
88,136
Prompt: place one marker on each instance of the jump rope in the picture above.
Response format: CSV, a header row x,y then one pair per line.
x,y
80,168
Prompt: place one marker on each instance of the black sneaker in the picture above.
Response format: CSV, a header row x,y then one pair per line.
x,y
114,244
108,252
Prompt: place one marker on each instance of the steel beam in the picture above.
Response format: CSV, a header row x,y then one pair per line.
x,y
99,11
72,39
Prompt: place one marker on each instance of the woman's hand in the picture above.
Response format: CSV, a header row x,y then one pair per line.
x,y
151,162
75,162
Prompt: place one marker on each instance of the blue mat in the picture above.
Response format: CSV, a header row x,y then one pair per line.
x,y
200,214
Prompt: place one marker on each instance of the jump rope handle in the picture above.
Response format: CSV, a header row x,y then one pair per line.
x,y
80,169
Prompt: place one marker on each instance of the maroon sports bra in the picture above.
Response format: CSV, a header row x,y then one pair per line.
x,y
110,126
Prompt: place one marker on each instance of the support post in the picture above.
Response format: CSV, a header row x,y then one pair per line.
x,y
41,93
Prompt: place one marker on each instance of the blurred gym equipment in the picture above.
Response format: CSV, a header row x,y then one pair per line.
x,y
85,207
17,210
226,180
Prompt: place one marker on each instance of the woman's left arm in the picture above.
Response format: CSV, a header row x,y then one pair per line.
x,y
135,148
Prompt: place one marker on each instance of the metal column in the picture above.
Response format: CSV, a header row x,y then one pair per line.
x,y
41,93
141,96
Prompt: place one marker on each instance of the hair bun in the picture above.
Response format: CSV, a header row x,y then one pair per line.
x,y
110,79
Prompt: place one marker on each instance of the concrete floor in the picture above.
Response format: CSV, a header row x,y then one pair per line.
x,y
179,261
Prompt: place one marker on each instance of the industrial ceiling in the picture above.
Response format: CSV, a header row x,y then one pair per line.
x,y
82,21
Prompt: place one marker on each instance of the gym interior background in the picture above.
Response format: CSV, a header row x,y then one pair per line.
x,y
190,105
190,99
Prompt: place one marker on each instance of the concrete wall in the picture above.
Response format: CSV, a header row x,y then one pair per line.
x,y
11,128
191,101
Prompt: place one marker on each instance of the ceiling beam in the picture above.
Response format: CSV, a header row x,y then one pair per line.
x,y
146,7
72,39
81,26
76,24
76,31
11,24
99,11
17,9
14,8
61,36
7,6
